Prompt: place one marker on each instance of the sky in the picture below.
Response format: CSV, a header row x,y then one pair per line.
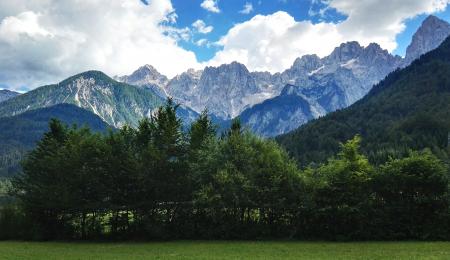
x,y
45,41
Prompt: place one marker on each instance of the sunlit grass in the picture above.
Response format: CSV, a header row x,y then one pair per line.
x,y
225,250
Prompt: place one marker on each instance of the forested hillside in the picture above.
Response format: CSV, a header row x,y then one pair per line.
x,y
410,109
157,181
19,134
115,103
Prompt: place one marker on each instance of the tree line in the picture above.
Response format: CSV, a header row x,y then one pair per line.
x,y
159,181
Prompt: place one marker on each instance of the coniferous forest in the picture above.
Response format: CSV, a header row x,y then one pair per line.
x,y
159,181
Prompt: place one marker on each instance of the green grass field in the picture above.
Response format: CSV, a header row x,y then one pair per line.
x,y
226,250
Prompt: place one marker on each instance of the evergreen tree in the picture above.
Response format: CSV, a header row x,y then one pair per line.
x,y
412,197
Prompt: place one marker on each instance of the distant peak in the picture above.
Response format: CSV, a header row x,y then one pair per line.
x,y
308,57
429,36
235,66
432,23
432,19
374,45
350,44
289,89
90,74
147,68
4,90
346,51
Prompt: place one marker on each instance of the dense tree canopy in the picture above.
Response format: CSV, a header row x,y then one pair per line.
x,y
158,181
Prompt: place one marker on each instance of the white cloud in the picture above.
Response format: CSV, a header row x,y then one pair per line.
x,y
43,41
211,6
201,27
273,42
248,8
201,42
381,20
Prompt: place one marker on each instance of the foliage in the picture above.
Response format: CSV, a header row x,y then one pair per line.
x,y
157,181
410,109
20,133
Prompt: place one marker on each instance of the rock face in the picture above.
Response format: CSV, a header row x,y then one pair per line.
x,y
183,87
276,115
335,81
429,36
327,84
399,114
225,90
7,94
147,77
115,103
340,79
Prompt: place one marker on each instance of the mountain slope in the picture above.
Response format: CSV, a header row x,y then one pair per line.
x,y
225,90
343,77
276,115
7,94
147,77
327,84
20,133
408,109
116,103
429,36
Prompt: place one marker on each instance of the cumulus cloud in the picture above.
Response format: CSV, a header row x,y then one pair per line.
x,y
248,8
43,41
211,6
272,42
201,27
201,42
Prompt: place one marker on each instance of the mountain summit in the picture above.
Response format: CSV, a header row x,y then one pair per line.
x,y
407,110
147,77
7,94
115,103
429,36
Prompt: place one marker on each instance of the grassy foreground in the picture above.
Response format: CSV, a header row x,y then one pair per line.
x,y
226,250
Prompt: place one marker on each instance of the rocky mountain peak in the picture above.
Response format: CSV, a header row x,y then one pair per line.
x,y
429,36
307,62
432,21
234,67
289,89
374,47
7,94
147,73
147,77
345,52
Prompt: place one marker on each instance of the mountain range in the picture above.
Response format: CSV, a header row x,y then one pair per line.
x,y
268,104
409,109
325,84
7,94
115,103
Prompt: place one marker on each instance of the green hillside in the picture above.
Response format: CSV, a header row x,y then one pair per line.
x,y
19,134
116,103
410,109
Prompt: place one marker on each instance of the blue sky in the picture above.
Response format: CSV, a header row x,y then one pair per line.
x,y
190,11
404,38
230,14
44,42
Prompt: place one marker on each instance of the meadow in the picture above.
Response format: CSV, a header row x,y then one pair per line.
x,y
225,250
